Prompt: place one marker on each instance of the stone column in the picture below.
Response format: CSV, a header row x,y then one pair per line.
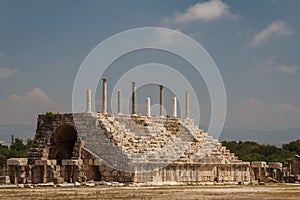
x,y
187,105
174,107
148,112
161,100
119,102
133,98
104,95
88,101
13,173
44,173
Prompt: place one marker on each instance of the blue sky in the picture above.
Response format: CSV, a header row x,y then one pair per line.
x,y
255,44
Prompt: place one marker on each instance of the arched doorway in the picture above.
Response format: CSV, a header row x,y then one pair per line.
x,y
62,143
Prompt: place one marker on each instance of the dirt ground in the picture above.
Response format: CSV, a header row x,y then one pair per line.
x,y
158,192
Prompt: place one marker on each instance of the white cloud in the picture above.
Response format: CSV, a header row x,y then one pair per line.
x,y
25,108
6,72
252,103
271,65
274,30
270,60
205,11
255,114
36,95
286,69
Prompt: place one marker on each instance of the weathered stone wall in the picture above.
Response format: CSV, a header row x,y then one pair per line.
x,y
122,148
275,171
197,173
18,170
46,126
295,168
291,169
260,170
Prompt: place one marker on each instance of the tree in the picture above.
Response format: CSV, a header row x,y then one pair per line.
x,y
252,151
293,146
18,149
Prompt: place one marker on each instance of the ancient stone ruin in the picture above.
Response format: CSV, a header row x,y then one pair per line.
x,y
79,147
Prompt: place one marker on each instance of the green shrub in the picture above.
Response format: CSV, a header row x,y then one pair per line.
x,y
49,115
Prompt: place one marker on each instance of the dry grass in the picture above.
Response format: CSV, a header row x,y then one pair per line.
x,y
162,192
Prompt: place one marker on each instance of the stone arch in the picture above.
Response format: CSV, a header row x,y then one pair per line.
x,y
62,143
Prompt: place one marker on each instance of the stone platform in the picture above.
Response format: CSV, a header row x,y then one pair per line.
x,y
124,148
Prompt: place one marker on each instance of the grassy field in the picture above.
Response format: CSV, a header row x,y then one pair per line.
x,y
158,192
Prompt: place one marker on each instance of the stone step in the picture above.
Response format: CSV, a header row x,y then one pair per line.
x,y
134,138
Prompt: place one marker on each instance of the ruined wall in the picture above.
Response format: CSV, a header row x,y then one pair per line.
x,y
291,169
126,148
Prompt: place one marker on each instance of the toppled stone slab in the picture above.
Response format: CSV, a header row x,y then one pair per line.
x,y
28,186
92,184
51,184
66,185
8,186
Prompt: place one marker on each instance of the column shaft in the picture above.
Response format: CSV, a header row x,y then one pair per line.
x,y
88,101
119,102
148,106
161,100
104,95
174,102
133,98
187,105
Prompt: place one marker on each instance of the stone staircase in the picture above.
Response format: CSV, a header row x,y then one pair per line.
x,y
205,149
129,141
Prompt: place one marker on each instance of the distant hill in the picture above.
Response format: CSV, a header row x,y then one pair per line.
x,y
276,138
18,130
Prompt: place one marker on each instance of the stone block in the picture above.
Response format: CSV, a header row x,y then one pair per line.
x,y
45,162
258,164
4,180
17,161
275,165
97,162
71,162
